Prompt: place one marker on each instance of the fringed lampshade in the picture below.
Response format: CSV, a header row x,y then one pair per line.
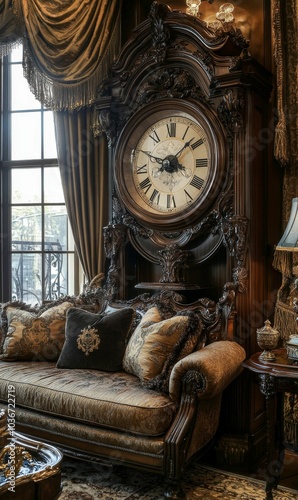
x,y
286,261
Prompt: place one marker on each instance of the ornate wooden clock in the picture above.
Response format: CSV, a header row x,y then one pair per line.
x,y
172,150
182,110
169,164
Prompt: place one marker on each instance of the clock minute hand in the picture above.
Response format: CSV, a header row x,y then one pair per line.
x,y
185,146
153,158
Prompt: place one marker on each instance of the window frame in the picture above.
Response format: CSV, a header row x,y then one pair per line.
x,y
6,166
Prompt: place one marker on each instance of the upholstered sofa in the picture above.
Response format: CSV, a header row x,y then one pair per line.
x,y
137,383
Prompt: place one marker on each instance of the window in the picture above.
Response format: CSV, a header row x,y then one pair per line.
x,y
38,258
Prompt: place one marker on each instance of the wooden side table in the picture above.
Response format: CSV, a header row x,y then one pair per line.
x,y
275,378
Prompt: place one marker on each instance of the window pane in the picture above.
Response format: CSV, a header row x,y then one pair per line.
x,y
26,185
50,150
26,231
55,282
25,136
21,96
56,227
17,54
26,277
53,192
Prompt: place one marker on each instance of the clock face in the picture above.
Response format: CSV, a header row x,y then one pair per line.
x,y
171,164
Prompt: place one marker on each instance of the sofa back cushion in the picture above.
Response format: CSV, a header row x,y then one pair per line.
x,y
32,336
95,341
157,344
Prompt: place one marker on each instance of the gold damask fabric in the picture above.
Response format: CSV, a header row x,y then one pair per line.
x,y
71,433
153,342
218,363
108,399
68,46
35,337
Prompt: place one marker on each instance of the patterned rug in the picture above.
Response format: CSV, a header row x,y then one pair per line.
x,y
85,481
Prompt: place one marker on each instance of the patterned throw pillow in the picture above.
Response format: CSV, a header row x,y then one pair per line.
x,y
32,337
157,344
96,341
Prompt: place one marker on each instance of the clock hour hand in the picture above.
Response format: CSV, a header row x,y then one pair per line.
x,y
185,146
152,158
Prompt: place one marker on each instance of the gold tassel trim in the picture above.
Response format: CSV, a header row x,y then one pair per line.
x,y
281,147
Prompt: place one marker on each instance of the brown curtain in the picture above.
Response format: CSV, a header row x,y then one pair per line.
x,y
83,167
285,17
69,46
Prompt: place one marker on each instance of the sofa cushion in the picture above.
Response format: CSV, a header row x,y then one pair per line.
x,y
114,400
34,336
157,344
95,341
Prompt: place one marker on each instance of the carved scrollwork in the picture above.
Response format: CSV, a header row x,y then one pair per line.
x,y
230,110
194,382
234,231
160,33
136,228
168,83
267,385
114,238
173,261
107,126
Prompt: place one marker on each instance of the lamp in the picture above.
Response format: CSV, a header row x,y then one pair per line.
x,y
286,261
289,240
224,16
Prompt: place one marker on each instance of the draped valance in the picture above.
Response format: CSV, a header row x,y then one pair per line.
x,y
68,46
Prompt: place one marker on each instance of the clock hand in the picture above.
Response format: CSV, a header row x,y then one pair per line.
x,y
185,146
152,158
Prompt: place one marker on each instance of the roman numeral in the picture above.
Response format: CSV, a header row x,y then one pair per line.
x,y
201,162
155,137
198,143
171,129
142,170
197,182
171,202
145,184
187,196
155,196
185,133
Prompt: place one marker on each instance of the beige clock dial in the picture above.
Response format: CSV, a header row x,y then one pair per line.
x,y
171,163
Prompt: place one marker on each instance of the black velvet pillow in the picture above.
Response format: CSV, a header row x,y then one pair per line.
x,y
95,341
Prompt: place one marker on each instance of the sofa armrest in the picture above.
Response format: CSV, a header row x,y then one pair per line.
x,y
211,369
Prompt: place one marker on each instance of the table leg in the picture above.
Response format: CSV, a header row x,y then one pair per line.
x,y
274,464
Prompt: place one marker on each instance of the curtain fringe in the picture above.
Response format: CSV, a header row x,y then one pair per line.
x,y
5,49
60,97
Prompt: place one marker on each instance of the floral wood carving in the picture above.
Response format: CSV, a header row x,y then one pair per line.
x,y
114,237
173,261
169,83
136,228
234,231
160,33
267,385
230,110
